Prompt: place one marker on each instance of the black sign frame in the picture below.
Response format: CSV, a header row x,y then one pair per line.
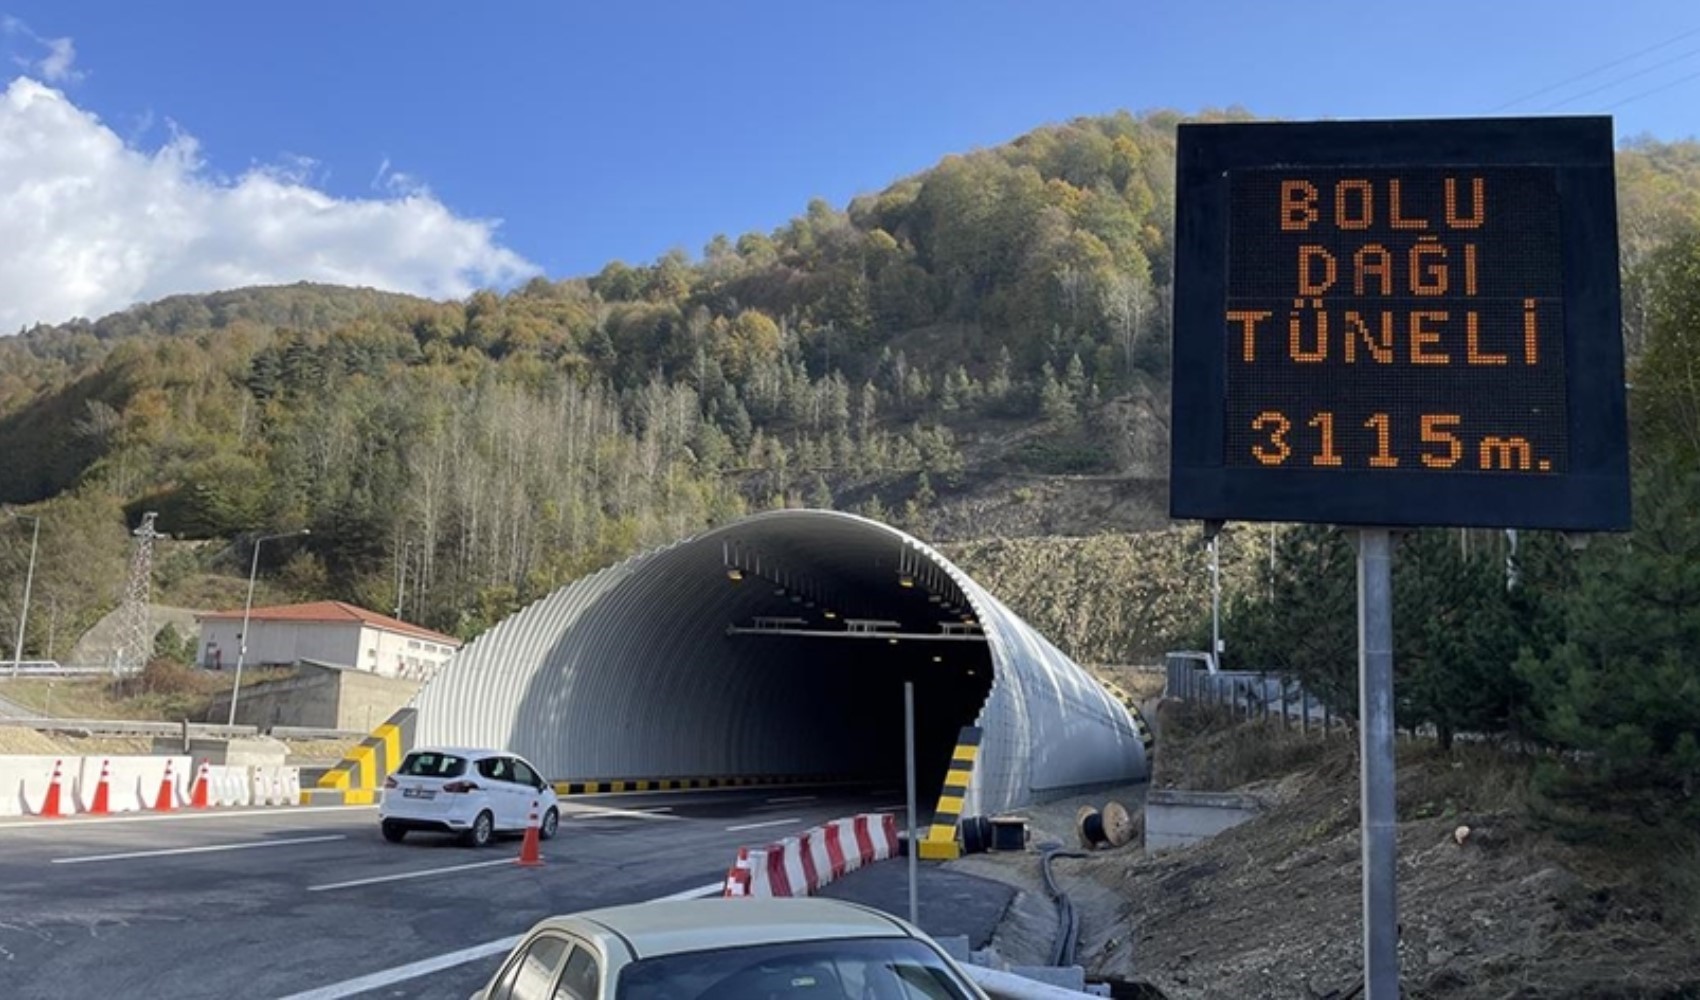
x,y
1591,494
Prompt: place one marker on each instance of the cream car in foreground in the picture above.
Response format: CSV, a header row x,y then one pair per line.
x,y
473,794
728,949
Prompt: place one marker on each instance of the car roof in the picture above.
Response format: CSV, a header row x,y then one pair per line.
x,y
670,927
467,752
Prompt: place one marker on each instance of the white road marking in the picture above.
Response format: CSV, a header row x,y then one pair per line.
x,y
41,824
424,967
760,826
207,849
591,812
407,875
792,798
413,970
711,889
889,809
626,813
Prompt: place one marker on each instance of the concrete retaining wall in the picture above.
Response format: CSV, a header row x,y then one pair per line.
x,y
322,697
1176,818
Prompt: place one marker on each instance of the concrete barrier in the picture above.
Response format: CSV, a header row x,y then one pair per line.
x,y
1175,818
24,782
229,785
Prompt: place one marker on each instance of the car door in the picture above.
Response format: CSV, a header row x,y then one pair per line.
x,y
497,773
531,972
527,781
581,976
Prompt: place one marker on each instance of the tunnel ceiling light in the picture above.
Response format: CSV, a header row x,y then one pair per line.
x,y
831,614
938,659
734,574
892,641
905,580
934,598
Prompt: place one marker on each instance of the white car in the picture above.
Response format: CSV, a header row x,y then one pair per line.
x,y
474,794
728,949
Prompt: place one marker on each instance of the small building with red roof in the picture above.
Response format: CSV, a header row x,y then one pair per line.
x,y
327,632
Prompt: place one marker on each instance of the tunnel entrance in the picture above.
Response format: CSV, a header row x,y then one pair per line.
x,y
845,696
778,647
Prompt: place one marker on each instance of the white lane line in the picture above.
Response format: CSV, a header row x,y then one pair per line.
x,y
792,798
206,849
413,970
407,875
711,889
626,813
424,967
595,811
760,826
42,824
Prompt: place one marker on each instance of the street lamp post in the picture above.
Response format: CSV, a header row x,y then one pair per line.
x,y
247,608
29,580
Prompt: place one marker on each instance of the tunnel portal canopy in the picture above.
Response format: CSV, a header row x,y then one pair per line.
x,y
779,646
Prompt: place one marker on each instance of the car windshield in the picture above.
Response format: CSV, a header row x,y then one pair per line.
x,y
433,765
860,969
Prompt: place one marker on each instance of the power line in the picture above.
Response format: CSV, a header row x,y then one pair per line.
x,y
1648,93
1619,81
1597,70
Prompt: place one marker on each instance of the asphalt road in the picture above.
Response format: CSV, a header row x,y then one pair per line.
x,y
288,902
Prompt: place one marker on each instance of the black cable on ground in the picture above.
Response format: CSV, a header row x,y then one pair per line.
x,y
1069,938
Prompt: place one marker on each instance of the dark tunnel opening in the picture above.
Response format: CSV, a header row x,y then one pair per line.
x,y
847,695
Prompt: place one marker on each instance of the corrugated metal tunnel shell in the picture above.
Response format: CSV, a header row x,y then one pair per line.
x,y
628,672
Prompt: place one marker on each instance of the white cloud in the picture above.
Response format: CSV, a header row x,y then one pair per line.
x,y
57,65
94,224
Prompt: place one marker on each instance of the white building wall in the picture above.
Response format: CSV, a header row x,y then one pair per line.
x,y
408,656
280,642
351,644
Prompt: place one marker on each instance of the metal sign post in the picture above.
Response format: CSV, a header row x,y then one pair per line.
x,y
909,761
1375,736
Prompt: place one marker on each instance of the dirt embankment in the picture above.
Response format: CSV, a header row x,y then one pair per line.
x,y
1271,908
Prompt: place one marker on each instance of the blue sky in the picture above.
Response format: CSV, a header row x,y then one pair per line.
x,y
596,131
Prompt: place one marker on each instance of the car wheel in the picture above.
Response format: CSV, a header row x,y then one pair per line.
x,y
482,832
394,832
551,823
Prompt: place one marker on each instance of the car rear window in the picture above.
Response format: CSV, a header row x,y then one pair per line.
x,y
433,765
852,969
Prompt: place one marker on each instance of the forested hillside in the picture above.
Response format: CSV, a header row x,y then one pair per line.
x,y
979,349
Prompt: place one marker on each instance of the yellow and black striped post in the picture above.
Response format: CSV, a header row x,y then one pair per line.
x,y
940,842
355,780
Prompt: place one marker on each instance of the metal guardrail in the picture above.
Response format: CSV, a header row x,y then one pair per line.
x,y
127,727
311,733
52,668
1248,693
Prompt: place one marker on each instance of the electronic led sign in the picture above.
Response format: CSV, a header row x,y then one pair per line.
x,y
1399,323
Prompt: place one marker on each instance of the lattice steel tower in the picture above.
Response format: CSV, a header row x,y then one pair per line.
x,y
135,632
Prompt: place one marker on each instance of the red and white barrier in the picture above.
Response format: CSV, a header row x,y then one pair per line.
x,y
846,831
801,865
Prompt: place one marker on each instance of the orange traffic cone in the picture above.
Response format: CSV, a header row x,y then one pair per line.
x,y
167,799
529,855
198,797
101,805
738,878
50,804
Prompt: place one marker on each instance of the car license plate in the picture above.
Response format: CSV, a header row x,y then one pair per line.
x,y
418,793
